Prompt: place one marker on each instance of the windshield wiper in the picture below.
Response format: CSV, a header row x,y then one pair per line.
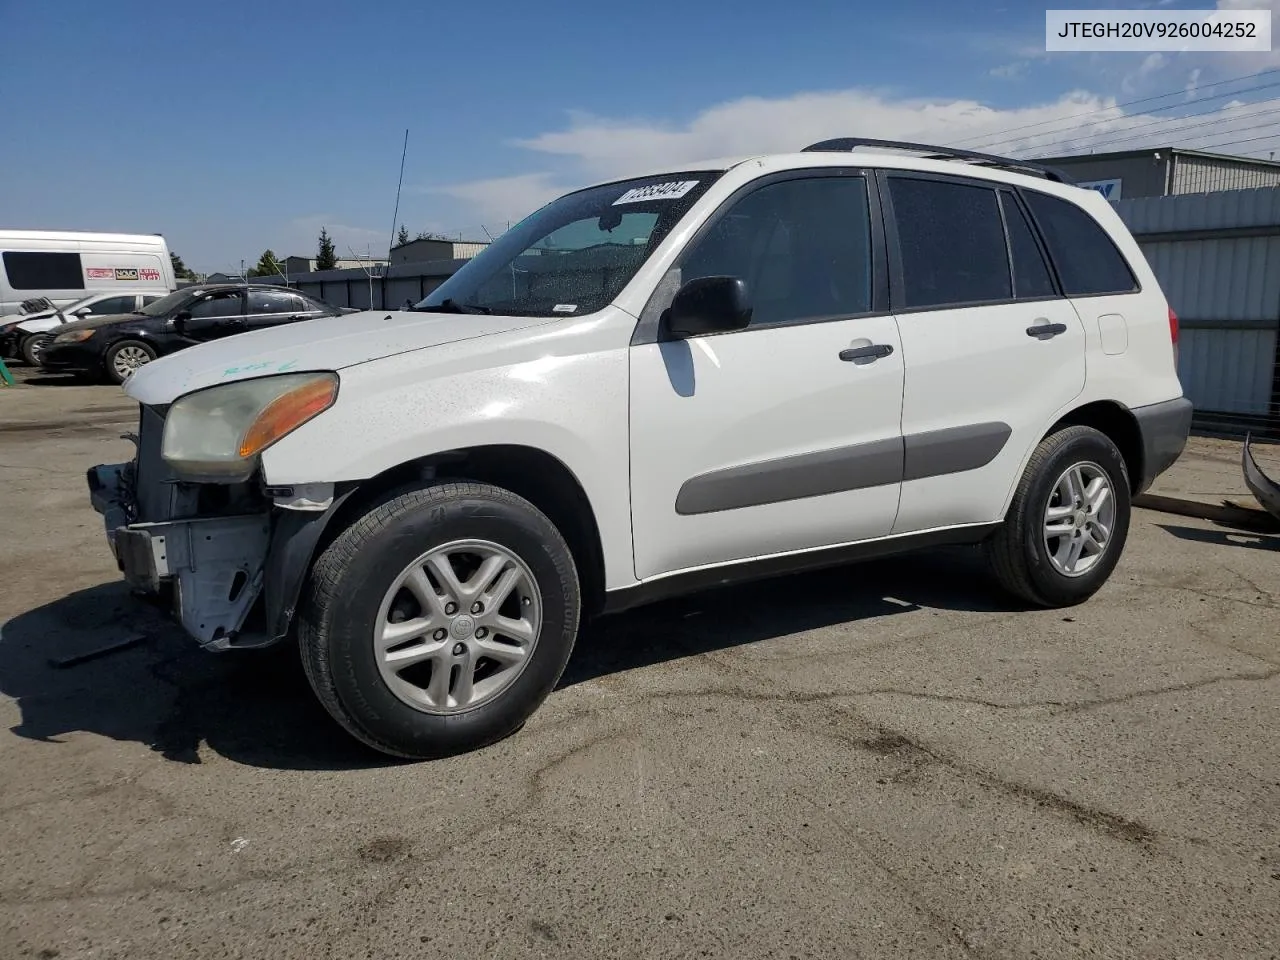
x,y
450,305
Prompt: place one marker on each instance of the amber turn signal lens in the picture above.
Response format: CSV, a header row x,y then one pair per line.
x,y
288,412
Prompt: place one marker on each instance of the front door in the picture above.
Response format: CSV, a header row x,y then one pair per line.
x,y
765,440
993,350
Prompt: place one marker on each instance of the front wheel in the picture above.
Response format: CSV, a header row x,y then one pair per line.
x,y
439,620
1068,521
32,346
126,358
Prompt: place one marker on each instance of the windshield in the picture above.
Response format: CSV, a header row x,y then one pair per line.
x,y
158,308
575,254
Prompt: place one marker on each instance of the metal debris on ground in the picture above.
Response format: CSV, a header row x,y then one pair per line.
x,y
62,663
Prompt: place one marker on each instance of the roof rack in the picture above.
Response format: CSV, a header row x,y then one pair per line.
x,y
932,152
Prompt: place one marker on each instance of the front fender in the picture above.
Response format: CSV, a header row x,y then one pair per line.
x,y
394,411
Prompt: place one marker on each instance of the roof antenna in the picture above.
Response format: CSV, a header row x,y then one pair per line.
x,y
396,216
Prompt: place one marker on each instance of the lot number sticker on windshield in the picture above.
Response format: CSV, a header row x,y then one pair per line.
x,y
657,191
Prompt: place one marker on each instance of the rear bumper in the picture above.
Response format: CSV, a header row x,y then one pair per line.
x,y
1164,428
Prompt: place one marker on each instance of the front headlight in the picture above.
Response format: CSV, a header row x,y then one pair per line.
x,y
73,336
215,435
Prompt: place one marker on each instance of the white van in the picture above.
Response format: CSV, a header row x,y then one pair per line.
x,y
69,266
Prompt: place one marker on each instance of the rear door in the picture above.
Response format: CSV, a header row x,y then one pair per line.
x,y
270,308
993,350
217,315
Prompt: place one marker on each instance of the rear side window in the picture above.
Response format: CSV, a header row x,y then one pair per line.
x,y
1087,261
114,305
311,306
1030,273
951,242
271,301
43,271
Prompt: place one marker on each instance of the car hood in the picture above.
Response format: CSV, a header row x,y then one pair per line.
x,y
18,318
326,343
93,323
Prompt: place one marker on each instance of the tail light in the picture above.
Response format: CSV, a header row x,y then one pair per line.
x,y
1173,334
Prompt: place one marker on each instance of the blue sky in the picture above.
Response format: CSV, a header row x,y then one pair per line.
x,y
234,127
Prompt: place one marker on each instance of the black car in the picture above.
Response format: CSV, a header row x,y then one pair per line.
x,y
113,347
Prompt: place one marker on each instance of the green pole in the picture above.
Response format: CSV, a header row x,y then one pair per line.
x,y
5,375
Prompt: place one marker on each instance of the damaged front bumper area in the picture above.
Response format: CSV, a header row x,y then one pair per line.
x,y
214,567
228,559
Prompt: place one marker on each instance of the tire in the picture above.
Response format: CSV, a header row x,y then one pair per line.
x,y
1019,552
346,600
125,348
31,347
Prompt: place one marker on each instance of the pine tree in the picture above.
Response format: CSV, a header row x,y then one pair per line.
x,y
268,265
180,270
402,237
327,256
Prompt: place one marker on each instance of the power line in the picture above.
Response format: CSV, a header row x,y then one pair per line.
x,y
1186,132
1232,143
1177,126
1263,86
1003,135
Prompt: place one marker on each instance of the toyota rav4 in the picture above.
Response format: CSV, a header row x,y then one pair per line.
x,y
650,386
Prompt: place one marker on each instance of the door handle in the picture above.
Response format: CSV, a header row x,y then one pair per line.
x,y
869,354
1046,331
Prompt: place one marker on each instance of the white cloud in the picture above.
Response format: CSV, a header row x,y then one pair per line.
x,y
1009,71
590,148
500,199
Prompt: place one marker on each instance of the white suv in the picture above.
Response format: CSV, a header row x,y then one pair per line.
x,y
650,386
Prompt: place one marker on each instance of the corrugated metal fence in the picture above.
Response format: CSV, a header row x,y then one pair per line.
x,y
382,288
1217,256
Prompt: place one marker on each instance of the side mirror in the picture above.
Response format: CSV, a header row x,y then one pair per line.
x,y
180,322
709,305
83,312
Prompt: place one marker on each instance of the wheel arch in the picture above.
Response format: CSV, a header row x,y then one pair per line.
x,y
1116,422
529,472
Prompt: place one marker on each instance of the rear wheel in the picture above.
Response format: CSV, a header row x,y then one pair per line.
x,y
440,620
126,358
32,346
1068,522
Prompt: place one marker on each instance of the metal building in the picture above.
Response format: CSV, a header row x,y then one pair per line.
x,y
432,248
1166,172
1217,256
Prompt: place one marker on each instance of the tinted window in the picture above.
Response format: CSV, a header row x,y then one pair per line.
x,y
951,242
802,246
147,301
271,301
219,305
1030,273
313,306
1087,261
43,271
114,305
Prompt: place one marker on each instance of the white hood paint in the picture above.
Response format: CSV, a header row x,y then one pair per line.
x,y
329,343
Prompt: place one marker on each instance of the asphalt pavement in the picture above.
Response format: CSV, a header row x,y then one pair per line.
x,y
884,760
